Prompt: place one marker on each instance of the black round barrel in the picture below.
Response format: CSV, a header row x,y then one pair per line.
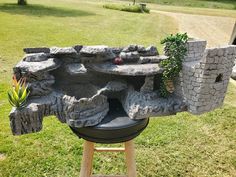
x,y
116,127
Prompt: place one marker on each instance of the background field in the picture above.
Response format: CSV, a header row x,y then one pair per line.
x,y
182,145
217,4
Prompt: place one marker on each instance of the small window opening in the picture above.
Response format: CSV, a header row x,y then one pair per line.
x,y
219,78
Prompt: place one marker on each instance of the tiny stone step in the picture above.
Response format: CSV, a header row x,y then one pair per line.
x,y
37,68
37,50
128,69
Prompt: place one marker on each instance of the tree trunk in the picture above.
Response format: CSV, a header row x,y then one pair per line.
x,y
22,2
134,2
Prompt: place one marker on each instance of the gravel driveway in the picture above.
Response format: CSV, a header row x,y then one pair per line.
x,y
216,30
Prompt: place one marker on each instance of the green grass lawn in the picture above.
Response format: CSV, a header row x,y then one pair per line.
x,y
216,4
225,8
194,10
182,145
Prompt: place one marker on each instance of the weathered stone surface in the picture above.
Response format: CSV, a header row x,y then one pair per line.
x,y
129,56
134,47
37,50
76,112
203,82
158,59
152,59
37,67
104,52
143,60
33,78
78,48
29,119
36,57
195,50
130,48
116,50
25,121
41,88
141,48
148,85
85,111
149,51
76,84
128,69
95,59
94,50
76,68
63,51
114,86
67,59
140,105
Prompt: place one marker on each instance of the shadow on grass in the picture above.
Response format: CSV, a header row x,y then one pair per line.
x,y
40,10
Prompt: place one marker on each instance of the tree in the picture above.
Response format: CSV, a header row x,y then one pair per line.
x,y
22,2
134,2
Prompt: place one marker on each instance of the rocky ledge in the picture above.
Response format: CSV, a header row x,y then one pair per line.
x,y
76,83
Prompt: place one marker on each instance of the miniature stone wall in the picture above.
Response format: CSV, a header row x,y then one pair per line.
x,y
75,83
195,50
203,80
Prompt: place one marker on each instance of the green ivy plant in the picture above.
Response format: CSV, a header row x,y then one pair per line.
x,y
175,49
19,93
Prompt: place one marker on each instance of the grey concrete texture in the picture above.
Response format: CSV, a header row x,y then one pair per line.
x,y
76,83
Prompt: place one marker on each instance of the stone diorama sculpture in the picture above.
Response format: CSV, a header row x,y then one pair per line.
x,y
77,84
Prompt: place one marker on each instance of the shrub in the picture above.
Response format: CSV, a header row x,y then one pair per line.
x,y
127,8
175,49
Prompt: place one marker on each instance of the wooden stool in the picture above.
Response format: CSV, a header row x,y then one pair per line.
x,y
87,160
116,127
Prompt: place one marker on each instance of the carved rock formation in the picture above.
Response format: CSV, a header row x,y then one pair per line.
x,y
139,105
87,108
75,83
37,68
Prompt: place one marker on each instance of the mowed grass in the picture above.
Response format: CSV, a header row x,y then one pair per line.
x,y
216,4
225,8
71,22
195,10
181,145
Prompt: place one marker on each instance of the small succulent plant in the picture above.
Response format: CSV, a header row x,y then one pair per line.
x,y
19,93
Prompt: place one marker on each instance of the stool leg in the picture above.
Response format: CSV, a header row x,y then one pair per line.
x,y
87,159
130,158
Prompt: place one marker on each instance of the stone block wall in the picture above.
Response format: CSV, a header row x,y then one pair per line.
x,y
195,50
204,77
